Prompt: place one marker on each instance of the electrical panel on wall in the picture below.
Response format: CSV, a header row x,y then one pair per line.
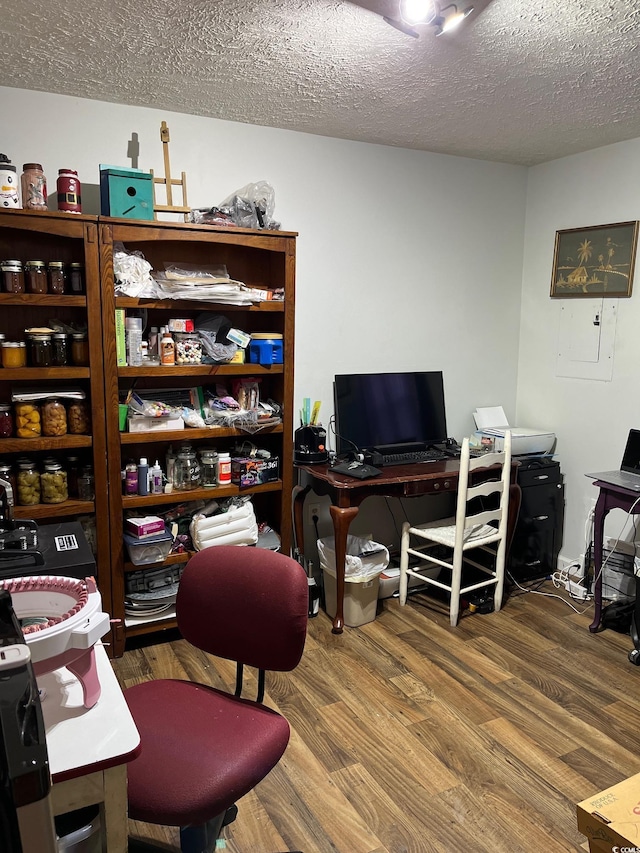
x,y
586,339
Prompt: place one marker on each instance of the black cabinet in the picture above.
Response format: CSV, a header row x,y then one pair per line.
x,y
537,538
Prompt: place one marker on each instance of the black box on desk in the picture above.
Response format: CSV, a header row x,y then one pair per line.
x,y
247,472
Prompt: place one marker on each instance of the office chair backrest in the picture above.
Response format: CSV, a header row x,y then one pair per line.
x,y
495,483
245,604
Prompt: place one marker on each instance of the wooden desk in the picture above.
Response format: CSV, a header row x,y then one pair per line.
x,y
396,481
88,749
610,497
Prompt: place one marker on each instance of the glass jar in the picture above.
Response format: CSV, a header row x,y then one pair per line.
x,y
76,278
34,187
188,348
35,274
27,484
79,418
56,277
53,484
54,418
187,469
6,420
73,472
80,349
12,276
209,460
59,349
14,354
28,423
40,349
69,191
86,484
7,473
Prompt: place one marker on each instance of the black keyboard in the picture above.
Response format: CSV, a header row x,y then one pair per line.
x,y
411,458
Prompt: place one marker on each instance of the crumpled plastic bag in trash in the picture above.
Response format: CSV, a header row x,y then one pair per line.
x,y
364,560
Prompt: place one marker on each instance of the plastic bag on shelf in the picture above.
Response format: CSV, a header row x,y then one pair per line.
x,y
131,272
252,206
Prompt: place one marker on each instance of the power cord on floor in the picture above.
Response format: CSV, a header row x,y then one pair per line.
x,y
546,594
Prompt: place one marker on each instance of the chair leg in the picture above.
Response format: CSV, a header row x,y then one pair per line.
x,y
456,581
500,561
404,563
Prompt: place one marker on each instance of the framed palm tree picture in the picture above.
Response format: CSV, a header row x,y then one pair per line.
x,y
597,261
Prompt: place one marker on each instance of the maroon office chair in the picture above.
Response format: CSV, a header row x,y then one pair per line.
x,y
204,748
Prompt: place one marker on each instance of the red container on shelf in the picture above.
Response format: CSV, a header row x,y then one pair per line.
x,y
69,191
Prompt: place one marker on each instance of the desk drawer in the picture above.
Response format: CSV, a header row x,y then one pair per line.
x,y
539,475
414,488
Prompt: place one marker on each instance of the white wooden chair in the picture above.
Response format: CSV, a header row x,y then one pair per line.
x,y
485,529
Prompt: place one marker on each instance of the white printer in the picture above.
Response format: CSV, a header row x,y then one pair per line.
x,y
492,423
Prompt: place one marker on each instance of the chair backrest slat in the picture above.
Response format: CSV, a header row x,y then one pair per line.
x,y
498,469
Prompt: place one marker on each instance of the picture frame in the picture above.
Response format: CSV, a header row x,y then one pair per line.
x,y
594,262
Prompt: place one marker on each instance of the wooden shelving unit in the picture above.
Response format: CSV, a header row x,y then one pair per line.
x,y
26,235
260,259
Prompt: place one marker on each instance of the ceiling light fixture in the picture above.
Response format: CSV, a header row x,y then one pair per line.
x,y
414,13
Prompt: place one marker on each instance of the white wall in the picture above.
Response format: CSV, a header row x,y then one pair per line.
x,y
591,418
406,260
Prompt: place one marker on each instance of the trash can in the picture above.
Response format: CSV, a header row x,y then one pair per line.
x,y
364,561
79,831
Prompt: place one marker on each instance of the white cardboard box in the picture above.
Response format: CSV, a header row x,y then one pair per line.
x,y
491,421
140,423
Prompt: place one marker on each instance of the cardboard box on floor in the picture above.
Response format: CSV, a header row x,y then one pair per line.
x,y
612,817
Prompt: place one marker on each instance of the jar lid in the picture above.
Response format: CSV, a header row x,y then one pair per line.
x,y
59,336
31,166
39,336
67,172
12,344
76,266
26,463
56,264
53,466
4,466
12,265
79,336
35,263
266,336
5,407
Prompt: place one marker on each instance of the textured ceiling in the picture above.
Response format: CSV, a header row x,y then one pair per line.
x,y
522,81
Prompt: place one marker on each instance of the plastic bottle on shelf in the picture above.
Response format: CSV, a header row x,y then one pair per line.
x,y
153,341
167,350
133,326
143,476
156,479
131,478
224,469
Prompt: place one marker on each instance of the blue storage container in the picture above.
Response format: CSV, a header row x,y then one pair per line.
x,y
266,349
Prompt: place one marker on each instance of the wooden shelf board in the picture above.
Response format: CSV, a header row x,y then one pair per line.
x,y
70,507
134,501
190,433
31,445
275,306
200,370
48,300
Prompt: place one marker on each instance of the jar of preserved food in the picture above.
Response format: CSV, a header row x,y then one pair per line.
x,y
40,349
7,473
6,420
9,195
28,424
188,348
209,460
187,469
34,187
53,484
79,418
12,276
27,484
59,349
80,349
86,484
54,418
14,353
57,277
69,191
35,274
76,278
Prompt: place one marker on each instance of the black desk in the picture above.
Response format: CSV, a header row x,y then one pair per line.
x,y
396,481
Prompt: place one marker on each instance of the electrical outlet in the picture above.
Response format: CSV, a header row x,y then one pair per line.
x,y
314,509
576,590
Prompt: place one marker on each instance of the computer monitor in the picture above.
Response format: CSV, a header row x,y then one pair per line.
x,y
376,410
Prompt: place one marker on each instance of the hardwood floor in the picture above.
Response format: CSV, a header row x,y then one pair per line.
x,y
409,736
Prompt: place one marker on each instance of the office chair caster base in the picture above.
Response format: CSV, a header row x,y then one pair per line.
x,y
634,657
